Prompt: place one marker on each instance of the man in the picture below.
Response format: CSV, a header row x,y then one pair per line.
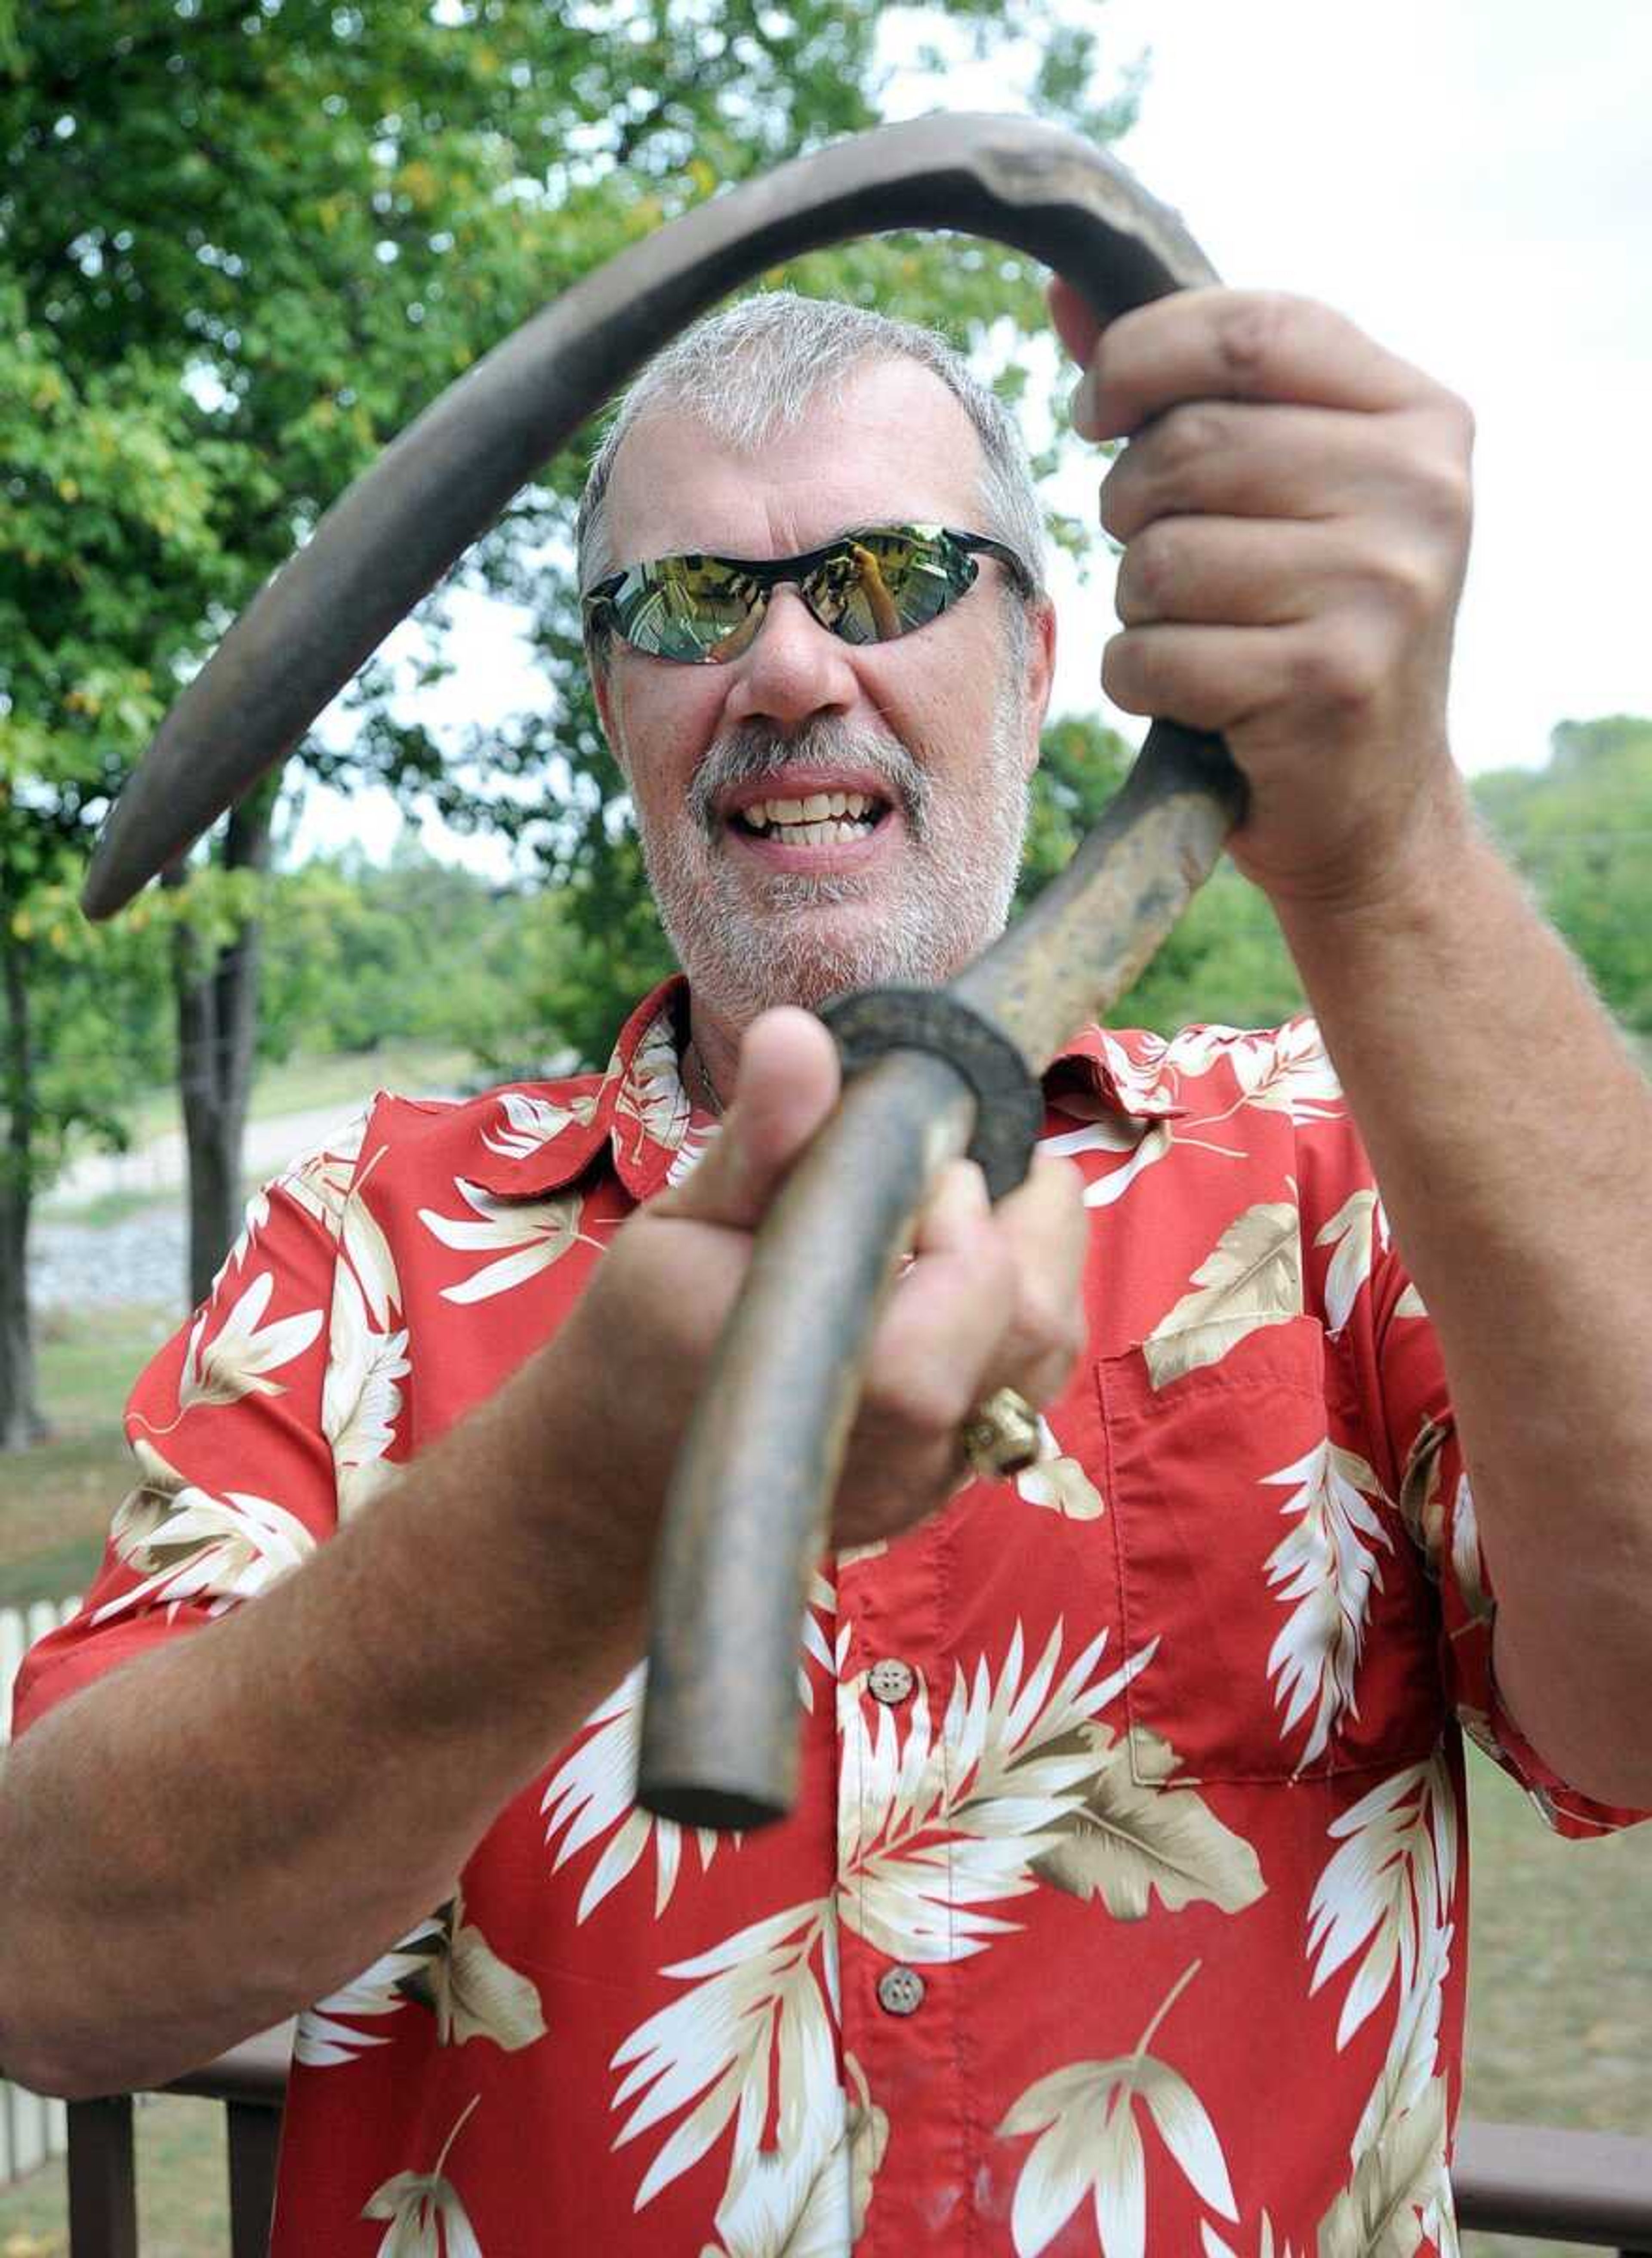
x,y
1124,1905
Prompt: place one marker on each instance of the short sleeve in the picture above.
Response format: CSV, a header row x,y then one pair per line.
x,y
235,1480
1375,1315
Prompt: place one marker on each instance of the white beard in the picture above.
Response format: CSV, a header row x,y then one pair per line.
x,y
962,860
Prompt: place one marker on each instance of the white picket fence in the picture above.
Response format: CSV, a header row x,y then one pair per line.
x,y
31,2129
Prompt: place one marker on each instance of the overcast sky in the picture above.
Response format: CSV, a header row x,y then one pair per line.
x,y
1472,181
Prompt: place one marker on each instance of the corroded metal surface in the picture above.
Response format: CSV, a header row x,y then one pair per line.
x,y
747,1513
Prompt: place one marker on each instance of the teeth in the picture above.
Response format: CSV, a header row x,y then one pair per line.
x,y
824,816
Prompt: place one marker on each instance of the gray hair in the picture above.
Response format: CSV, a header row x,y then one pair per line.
x,y
748,371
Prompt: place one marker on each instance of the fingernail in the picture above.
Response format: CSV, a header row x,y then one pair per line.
x,y
1082,407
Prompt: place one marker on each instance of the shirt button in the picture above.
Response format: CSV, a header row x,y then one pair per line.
x,y
900,1991
890,1681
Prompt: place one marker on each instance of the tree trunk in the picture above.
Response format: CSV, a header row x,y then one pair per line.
x,y
21,1422
216,992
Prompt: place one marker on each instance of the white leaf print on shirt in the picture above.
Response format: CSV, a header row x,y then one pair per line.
x,y
200,1546
929,1833
1252,1277
591,1795
243,1353
932,1828
1289,1072
360,1400
1266,2246
757,2007
1468,1564
1058,1483
1127,1842
325,2038
529,1234
428,2220
651,1093
794,2203
1350,1232
1145,1142
1090,2144
531,1123
335,1159
1328,1566
1398,2192
1386,1893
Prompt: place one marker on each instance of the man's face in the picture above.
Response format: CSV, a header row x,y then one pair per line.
x,y
929,738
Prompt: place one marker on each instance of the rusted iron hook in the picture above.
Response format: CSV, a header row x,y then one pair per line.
x,y
746,1517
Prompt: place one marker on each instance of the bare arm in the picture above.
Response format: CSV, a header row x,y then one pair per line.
x,y
1294,507
234,1826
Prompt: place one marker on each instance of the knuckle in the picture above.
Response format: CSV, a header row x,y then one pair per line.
x,y
1150,572
1337,669
1447,496
1124,672
1188,436
1247,334
1402,578
932,1404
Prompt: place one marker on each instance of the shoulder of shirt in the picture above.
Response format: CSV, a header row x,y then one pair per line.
x,y
1146,1073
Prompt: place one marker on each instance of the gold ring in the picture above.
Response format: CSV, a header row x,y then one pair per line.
x,y
1001,1435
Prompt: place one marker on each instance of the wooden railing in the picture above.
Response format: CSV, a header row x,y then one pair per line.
x,y
1528,2180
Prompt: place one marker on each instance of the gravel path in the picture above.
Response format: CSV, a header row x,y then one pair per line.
x,y
142,1256
90,1266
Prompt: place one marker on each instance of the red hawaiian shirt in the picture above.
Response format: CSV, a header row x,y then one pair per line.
x,y
1123,1908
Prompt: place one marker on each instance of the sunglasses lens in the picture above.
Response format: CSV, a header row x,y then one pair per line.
x,y
877,586
868,587
693,608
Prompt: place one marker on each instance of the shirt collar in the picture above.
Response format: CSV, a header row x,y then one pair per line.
x,y
544,1135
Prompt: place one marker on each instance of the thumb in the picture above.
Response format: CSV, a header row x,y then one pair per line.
x,y
788,1084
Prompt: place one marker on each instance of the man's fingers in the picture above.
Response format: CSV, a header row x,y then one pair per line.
x,y
1240,458
1043,1220
789,1082
1236,345
1074,318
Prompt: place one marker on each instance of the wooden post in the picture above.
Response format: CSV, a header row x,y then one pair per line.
x,y
102,2182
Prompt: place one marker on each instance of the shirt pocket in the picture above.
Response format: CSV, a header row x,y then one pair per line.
x,y
1293,1631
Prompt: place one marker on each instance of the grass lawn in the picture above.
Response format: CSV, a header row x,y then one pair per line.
x,y
1560,2004
344,1079
56,1500
183,2207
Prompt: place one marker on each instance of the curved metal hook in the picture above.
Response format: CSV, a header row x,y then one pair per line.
x,y
746,1517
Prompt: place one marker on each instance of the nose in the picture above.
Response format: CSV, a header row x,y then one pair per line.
x,y
793,671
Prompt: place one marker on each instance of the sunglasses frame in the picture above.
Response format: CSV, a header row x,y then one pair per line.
x,y
599,604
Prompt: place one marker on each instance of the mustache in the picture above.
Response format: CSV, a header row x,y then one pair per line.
x,y
753,751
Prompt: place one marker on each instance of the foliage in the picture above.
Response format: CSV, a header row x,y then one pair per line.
x,y
1581,830
1224,962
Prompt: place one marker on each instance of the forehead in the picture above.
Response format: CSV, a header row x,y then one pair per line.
x,y
895,447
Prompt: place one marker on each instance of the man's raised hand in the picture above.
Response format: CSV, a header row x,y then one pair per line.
x,y
1294,507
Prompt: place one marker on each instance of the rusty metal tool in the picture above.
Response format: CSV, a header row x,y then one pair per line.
x,y
746,1513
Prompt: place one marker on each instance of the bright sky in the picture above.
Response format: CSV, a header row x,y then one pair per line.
x,y
1472,181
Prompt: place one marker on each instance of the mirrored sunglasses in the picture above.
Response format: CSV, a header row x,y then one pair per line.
x,y
868,587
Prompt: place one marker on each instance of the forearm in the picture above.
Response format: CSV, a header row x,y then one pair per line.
x,y
236,1825
1511,1135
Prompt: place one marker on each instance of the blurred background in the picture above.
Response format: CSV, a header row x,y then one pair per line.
x,y
242,245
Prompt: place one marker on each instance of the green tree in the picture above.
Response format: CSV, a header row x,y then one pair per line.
x,y
1225,963
240,245
1580,828
83,1023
